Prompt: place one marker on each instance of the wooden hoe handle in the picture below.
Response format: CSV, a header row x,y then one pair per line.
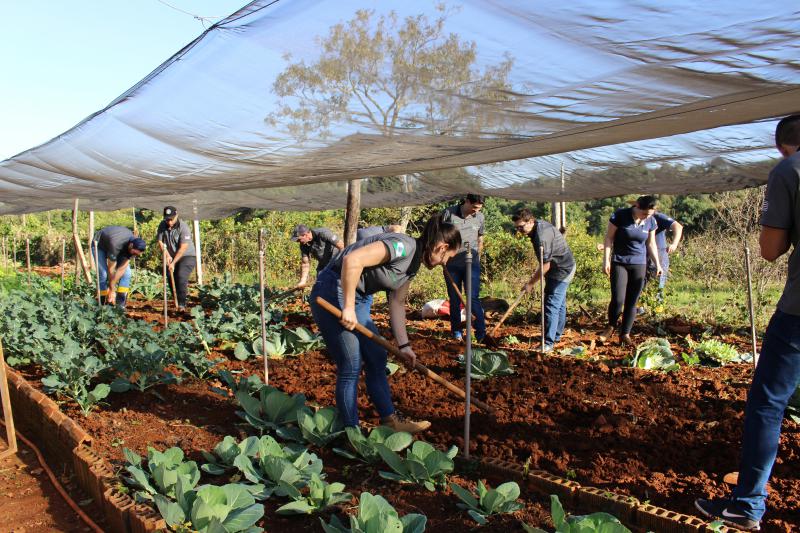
x,y
419,367
507,313
453,284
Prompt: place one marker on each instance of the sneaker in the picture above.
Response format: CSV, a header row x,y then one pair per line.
x,y
726,511
399,423
547,348
458,336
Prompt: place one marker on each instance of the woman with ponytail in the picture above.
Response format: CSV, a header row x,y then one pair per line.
x,y
384,262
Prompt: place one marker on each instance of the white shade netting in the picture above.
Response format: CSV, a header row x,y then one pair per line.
x,y
281,103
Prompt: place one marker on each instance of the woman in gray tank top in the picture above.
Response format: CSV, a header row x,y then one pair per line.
x,y
385,262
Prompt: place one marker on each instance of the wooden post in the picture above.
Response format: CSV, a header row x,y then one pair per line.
x,y
8,415
80,258
97,272
353,211
263,306
164,275
28,259
750,305
135,227
89,240
63,265
197,246
468,350
541,286
14,259
5,254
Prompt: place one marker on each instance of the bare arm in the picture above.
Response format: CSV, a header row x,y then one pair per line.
x,y
652,251
119,271
480,244
181,250
397,318
305,265
538,273
352,266
339,245
608,243
677,233
774,242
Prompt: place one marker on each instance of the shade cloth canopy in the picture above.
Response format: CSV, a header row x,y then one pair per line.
x,y
279,104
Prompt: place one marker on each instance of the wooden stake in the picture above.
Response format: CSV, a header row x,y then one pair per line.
x,y
92,264
541,286
174,287
8,415
28,259
468,349
750,305
263,305
63,265
197,246
453,284
80,258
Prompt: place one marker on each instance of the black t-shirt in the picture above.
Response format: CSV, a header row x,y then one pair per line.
x,y
555,248
322,246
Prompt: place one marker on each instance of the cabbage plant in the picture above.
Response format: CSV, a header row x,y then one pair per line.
x,y
320,428
375,514
161,473
488,501
594,523
488,364
423,465
365,449
654,354
211,509
320,496
712,352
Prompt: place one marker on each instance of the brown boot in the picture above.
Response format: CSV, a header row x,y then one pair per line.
x,y
625,340
604,335
398,423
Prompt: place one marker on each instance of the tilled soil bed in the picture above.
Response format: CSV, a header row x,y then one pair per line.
x,y
665,438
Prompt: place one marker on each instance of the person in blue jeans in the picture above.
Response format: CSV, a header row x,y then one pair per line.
x,y
384,262
777,375
467,217
115,245
557,267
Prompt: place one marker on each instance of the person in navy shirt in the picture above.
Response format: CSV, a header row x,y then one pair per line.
x,y
663,224
630,238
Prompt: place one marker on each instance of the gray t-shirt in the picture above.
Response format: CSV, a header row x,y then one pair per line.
x,y
782,210
555,248
180,233
113,240
322,246
370,231
470,228
403,264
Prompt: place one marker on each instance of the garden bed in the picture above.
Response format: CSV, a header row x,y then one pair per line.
x,y
662,438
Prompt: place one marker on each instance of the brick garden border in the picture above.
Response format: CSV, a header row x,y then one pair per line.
x,y
41,419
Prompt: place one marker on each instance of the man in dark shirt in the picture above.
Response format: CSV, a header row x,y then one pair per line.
x,y
370,231
176,236
777,375
322,243
467,217
115,247
558,268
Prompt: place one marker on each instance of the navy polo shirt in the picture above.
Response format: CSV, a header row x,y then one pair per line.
x,y
663,223
630,241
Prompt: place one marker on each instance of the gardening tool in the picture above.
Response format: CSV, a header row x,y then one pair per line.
x,y
97,273
541,286
164,280
261,303
508,313
391,348
750,306
453,284
286,293
174,288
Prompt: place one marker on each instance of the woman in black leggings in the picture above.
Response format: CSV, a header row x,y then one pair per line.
x,y
630,237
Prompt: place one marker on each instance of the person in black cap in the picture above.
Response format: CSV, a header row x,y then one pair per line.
x,y
322,243
116,245
175,236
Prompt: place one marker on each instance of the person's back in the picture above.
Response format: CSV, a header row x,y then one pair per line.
x,y
113,240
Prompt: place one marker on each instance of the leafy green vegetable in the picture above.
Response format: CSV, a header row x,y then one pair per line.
x,y
320,428
488,363
376,515
654,354
161,474
423,465
366,448
490,501
211,509
273,411
593,523
712,352
320,496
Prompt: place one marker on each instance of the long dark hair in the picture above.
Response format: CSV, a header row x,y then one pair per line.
x,y
437,231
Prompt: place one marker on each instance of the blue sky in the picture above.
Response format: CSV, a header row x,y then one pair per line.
x,y
64,60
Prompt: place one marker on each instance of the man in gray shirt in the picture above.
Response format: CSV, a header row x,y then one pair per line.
x,y
115,247
322,243
467,217
777,375
175,236
558,268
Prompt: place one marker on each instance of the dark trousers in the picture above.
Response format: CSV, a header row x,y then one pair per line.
x,y
459,275
627,282
183,269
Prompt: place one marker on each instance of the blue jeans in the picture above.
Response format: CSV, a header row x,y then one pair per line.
x,y
555,310
350,350
101,259
775,379
459,275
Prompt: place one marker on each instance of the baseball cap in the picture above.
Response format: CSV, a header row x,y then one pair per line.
x,y
170,211
138,244
300,229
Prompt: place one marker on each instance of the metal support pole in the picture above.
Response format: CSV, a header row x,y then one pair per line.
x,y
97,271
89,239
468,351
63,265
28,259
164,276
197,246
263,305
750,305
541,287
